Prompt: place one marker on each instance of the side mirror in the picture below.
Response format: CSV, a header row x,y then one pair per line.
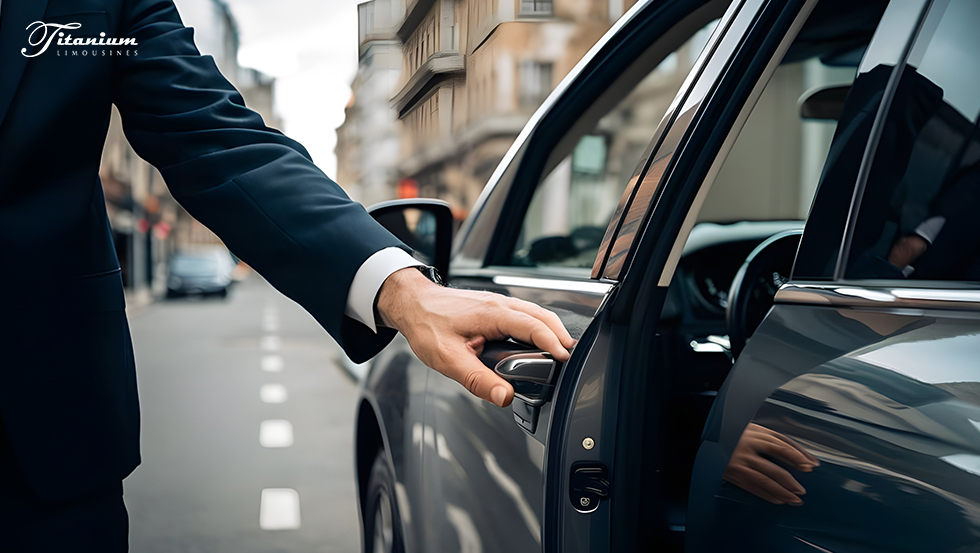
x,y
424,225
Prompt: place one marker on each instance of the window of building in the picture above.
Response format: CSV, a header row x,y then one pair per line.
x,y
534,83
536,7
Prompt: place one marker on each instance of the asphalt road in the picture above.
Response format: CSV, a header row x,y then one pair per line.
x,y
216,377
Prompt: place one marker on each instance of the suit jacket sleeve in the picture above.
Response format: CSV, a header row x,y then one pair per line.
x,y
255,188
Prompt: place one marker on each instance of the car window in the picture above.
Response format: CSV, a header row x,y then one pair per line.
x,y
589,167
769,178
918,217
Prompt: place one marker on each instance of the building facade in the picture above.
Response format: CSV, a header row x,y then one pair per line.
x,y
472,74
368,140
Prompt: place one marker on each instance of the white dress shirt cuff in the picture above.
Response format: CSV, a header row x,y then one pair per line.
x,y
368,280
930,228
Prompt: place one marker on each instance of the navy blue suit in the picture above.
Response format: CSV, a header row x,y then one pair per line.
x,y
68,396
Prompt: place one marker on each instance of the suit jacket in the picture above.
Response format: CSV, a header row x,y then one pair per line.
x,y
67,380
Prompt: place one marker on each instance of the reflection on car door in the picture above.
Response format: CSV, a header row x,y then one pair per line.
x,y
870,367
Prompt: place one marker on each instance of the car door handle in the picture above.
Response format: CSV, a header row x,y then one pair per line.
x,y
530,371
536,367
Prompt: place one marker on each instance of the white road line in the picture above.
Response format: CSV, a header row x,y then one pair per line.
x,y
273,393
276,433
279,509
271,343
272,363
270,319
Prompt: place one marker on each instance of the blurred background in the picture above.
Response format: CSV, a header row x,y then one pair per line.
x,y
247,404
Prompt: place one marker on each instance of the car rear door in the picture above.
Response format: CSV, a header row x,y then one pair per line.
x,y
868,360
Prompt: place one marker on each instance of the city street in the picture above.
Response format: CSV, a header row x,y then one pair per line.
x,y
247,429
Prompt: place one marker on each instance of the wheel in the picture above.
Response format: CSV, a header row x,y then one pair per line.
x,y
382,528
754,287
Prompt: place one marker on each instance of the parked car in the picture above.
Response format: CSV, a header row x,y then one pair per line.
x,y
206,272
771,264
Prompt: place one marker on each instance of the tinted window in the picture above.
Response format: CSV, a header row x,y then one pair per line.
x,y
919,217
820,248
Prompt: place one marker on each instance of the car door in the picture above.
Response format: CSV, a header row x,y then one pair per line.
x,y
662,391
867,361
535,234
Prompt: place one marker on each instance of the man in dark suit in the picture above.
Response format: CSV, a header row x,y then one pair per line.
x,y
68,401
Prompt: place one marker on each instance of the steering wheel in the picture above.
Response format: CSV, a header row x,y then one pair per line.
x,y
754,287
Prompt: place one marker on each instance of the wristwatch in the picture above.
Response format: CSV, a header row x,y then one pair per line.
x,y
431,273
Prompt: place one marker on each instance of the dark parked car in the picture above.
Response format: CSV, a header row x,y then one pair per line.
x,y
207,273
760,219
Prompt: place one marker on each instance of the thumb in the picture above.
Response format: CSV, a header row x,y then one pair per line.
x,y
464,367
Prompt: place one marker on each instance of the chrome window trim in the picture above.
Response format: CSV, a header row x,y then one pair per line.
x,y
585,287
882,294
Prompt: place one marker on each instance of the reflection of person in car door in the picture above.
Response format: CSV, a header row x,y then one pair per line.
x,y
751,469
946,245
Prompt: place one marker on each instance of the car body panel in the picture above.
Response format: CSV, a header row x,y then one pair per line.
x,y
886,395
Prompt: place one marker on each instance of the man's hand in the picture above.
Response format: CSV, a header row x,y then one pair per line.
x,y
906,250
752,472
447,329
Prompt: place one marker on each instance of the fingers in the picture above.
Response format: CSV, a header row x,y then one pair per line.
x,y
778,445
464,367
809,459
777,481
526,328
750,470
549,318
760,485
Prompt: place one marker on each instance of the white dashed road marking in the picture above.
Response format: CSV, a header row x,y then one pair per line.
x,y
272,363
270,319
276,433
279,509
273,393
271,343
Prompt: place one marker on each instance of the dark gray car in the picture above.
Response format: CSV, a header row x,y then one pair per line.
x,y
760,221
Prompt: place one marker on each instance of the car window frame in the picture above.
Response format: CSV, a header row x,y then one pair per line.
x,y
476,255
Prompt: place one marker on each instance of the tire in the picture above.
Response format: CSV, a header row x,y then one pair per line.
x,y
382,523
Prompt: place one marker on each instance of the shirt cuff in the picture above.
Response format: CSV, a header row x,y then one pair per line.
x,y
930,228
368,280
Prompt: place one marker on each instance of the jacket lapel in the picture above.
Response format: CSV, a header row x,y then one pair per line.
x,y
15,16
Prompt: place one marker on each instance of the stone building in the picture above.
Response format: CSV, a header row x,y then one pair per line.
x,y
368,140
472,73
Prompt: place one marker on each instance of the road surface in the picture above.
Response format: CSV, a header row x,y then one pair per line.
x,y
247,429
